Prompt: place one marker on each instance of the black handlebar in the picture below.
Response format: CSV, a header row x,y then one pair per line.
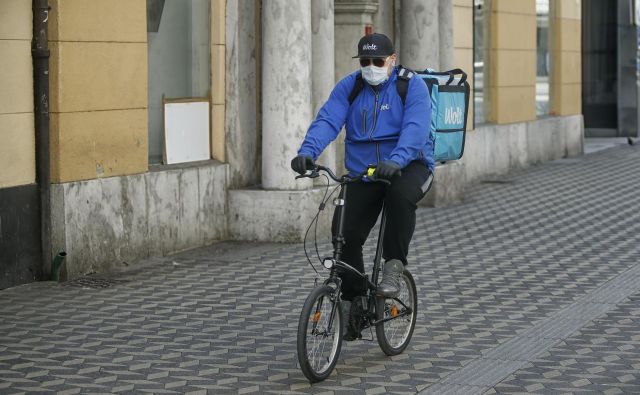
x,y
315,172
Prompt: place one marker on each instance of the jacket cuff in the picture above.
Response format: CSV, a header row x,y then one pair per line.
x,y
307,153
397,159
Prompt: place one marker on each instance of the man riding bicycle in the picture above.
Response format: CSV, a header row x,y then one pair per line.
x,y
383,131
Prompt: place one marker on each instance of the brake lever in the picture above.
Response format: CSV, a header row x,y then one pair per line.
x,y
313,174
378,179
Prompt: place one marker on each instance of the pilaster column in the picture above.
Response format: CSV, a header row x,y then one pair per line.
x,y
322,65
419,36
445,34
286,89
241,119
351,18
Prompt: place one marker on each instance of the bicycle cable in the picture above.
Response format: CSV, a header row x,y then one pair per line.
x,y
315,219
323,204
325,199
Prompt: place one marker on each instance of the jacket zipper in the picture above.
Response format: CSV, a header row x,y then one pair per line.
x,y
375,116
364,120
377,152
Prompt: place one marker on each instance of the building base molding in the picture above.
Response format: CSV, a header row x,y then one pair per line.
x,y
105,223
492,150
20,260
276,215
448,186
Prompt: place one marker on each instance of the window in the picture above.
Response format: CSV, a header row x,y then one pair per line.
x,y
543,63
480,62
179,59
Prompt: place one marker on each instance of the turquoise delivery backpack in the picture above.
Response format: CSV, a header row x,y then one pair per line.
x,y
449,92
450,107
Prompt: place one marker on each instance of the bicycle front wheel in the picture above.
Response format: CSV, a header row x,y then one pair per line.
x,y
319,334
399,317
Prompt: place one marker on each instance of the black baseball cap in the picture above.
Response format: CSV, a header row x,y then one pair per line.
x,y
374,45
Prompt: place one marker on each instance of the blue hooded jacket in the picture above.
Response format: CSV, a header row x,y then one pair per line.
x,y
378,126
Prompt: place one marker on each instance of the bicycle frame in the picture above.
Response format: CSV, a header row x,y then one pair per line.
x,y
314,331
338,242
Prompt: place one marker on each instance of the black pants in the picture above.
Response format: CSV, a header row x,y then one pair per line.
x,y
363,204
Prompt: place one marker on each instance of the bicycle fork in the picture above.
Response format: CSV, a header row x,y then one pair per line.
x,y
335,304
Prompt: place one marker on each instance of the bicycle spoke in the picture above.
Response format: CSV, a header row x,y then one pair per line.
x,y
398,328
318,336
317,340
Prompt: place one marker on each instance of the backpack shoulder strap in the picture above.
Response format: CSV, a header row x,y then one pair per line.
x,y
402,84
357,88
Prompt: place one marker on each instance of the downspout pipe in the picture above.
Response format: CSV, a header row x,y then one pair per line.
x,y
40,55
56,265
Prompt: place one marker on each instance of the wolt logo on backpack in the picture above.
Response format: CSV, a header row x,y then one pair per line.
x,y
453,116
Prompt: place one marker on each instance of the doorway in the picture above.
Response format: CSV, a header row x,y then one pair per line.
x,y
599,68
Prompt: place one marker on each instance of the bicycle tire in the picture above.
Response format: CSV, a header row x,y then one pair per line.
x,y
386,331
313,363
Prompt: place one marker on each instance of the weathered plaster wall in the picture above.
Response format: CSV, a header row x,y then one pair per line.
x,y
497,149
286,88
322,64
420,37
494,150
281,216
242,113
103,223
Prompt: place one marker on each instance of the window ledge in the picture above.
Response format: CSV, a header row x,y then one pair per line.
x,y
186,165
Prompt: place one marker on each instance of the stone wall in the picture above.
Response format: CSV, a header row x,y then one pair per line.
x,y
279,216
497,149
493,150
105,223
242,112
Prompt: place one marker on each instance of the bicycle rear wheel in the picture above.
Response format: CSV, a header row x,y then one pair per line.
x,y
395,334
319,334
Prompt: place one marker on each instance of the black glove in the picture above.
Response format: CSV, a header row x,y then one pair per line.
x,y
387,170
302,163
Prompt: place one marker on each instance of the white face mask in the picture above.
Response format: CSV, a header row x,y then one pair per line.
x,y
374,75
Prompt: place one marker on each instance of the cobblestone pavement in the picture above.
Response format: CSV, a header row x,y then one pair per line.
x,y
531,286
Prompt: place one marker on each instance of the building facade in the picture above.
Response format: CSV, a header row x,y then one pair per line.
x,y
611,84
19,194
263,68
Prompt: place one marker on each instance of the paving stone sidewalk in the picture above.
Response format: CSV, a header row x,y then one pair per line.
x,y
534,280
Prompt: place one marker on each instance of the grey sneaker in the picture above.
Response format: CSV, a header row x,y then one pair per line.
x,y
390,285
